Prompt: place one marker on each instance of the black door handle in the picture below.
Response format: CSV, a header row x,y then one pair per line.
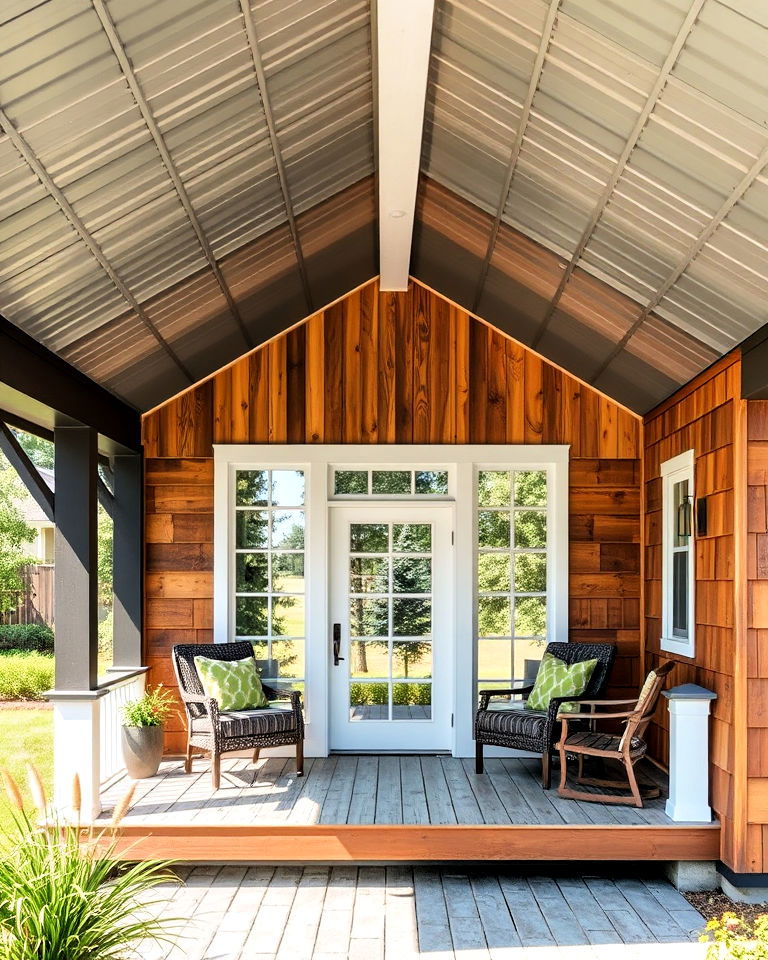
x,y
336,644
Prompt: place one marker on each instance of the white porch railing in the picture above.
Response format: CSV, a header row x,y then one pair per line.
x,y
119,691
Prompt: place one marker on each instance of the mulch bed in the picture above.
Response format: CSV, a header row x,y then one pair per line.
x,y
712,904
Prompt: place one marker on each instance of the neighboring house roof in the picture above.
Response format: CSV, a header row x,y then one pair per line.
x,y
29,507
182,181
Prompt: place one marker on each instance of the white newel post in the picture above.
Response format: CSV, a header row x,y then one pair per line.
x,y
77,749
689,753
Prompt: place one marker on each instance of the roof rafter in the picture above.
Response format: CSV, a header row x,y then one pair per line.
x,y
98,254
126,67
261,83
695,248
661,81
538,66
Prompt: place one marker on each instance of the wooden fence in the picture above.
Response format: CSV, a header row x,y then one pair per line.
x,y
35,602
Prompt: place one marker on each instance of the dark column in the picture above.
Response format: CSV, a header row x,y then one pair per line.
x,y
128,555
75,581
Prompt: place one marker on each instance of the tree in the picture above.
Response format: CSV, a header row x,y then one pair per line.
x,y
39,450
15,534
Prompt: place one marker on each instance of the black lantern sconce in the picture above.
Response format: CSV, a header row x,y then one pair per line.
x,y
685,517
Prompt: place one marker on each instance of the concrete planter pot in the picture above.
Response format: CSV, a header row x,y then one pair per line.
x,y
142,750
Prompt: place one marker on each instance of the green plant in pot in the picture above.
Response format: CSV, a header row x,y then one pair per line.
x,y
142,733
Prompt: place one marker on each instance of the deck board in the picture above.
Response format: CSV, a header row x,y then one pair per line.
x,y
387,789
392,808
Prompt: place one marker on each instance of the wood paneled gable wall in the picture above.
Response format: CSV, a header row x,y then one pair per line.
x,y
393,368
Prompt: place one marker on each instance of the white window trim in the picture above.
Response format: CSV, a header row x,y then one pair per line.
x,y
681,467
462,463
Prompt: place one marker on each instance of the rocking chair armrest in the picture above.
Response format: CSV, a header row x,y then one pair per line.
x,y
601,703
598,716
486,695
553,711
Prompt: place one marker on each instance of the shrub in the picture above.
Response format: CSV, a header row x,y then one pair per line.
x,y
63,894
732,937
151,710
25,676
26,636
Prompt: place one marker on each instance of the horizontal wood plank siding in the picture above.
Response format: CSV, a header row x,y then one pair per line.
x,y
394,368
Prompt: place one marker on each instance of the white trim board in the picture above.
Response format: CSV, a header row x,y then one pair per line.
x,y
461,462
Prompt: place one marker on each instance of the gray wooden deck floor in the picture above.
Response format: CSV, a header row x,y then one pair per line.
x,y
400,913
366,789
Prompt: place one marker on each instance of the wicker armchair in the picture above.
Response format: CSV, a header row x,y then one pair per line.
x,y
534,730
215,732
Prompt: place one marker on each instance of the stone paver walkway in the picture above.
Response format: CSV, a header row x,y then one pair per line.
x,y
400,912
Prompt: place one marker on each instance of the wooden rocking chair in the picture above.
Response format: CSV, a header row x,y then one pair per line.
x,y
627,748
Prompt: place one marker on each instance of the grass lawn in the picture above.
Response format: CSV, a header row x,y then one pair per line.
x,y
26,734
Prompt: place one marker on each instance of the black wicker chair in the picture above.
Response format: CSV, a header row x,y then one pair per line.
x,y
214,732
533,730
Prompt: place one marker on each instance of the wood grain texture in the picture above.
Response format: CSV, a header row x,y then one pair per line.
x,y
754,606
709,416
405,367
378,843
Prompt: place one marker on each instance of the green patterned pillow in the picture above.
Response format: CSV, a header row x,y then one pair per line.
x,y
233,684
557,679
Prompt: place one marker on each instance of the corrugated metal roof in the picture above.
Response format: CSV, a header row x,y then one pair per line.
x,y
178,180
640,164
160,177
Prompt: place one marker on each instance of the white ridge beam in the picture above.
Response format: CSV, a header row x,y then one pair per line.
x,y
403,39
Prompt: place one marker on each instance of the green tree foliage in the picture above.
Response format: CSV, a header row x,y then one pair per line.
x,y
39,450
15,536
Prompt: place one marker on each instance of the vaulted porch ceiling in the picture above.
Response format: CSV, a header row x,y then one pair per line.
x,y
179,183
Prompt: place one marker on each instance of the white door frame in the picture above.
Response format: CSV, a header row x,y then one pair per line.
x,y
462,463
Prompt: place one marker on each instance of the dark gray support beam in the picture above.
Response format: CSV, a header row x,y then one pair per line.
x,y
41,390
106,498
27,471
128,560
75,582
754,366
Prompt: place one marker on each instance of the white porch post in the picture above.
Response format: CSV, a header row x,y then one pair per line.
x,y
77,749
689,753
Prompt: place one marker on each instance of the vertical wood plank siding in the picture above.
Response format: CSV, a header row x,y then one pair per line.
x,y
393,368
706,416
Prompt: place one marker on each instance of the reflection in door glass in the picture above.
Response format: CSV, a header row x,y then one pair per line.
x,y
412,701
369,537
390,631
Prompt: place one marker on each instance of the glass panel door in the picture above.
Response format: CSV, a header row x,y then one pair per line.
x,y
391,595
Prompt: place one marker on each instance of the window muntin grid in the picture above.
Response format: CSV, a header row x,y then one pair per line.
x,y
390,593
389,482
269,583
511,571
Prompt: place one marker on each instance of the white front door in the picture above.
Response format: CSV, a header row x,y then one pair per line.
x,y
391,627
